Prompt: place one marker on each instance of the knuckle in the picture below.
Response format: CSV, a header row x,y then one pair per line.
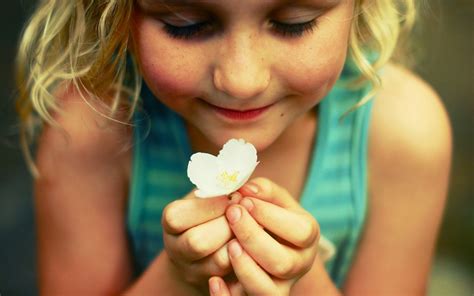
x,y
272,191
309,230
265,184
244,236
283,269
195,244
170,218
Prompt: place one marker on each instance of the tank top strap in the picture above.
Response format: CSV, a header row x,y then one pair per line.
x,y
335,191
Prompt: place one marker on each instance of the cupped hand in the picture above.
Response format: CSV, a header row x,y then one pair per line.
x,y
195,236
275,241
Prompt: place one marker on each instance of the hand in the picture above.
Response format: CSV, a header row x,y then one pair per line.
x,y
268,260
195,236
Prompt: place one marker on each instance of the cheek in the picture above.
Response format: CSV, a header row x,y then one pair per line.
x,y
170,72
314,75
316,63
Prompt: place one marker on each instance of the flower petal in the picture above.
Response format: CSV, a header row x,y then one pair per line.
x,y
237,155
245,176
237,159
224,174
202,171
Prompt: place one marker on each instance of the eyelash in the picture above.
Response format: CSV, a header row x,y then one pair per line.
x,y
186,32
294,30
196,30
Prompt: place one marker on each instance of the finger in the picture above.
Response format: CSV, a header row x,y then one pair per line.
x,y
253,278
297,228
235,198
267,190
217,287
277,259
202,240
220,258
183,214
217,264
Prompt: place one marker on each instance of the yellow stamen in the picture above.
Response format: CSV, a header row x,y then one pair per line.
x,y
228,180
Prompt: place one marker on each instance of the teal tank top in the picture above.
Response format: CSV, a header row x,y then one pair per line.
x,y
335,190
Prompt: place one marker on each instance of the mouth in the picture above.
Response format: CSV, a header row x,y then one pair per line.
x,y
241,115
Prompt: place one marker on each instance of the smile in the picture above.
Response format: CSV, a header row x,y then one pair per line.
x,y
233,114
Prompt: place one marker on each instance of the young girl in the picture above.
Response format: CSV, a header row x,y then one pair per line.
x,y
351,146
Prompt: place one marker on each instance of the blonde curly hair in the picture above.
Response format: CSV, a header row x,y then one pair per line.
x,y
86,44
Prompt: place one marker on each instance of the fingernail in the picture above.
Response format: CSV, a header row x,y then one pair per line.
x,y
235,250
247,203
234,214
214,286
252,187
235,198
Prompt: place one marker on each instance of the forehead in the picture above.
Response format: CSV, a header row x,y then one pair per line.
x,y
234,2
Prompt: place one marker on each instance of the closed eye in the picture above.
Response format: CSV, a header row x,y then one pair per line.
x,y
203,28
294,30
188,31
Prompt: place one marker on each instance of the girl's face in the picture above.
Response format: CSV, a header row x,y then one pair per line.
x,y
241,69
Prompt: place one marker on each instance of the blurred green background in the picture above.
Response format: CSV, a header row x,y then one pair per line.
x,y
444,46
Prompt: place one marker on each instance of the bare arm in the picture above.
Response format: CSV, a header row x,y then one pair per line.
x,y
80,203
409,159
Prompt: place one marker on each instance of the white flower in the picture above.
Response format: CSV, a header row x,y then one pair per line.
x,y
224,174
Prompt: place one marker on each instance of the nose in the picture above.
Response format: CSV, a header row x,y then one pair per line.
x,y
241,70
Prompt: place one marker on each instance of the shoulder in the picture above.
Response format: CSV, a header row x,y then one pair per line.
x,y
410,127
409,162
84,135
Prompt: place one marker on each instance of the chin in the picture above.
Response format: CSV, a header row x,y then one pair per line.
x,y
261,140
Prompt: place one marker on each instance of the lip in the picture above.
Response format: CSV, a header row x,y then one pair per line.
x,y
241,115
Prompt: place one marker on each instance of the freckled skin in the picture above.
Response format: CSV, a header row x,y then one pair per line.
x,y
244,66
